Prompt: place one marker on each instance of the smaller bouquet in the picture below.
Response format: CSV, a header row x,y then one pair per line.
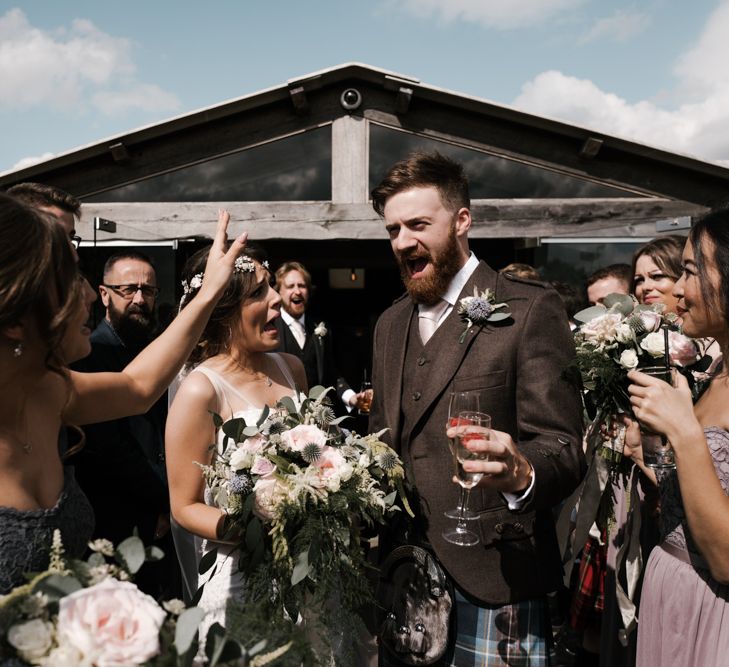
x,y
620,336
298,491
86,613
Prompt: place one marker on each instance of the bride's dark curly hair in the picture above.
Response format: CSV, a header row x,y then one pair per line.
x,y
225,318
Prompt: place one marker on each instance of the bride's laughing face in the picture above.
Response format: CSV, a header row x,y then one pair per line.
x,y
259,313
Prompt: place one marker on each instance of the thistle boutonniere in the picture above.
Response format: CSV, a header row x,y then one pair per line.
x,y
480,309
321,330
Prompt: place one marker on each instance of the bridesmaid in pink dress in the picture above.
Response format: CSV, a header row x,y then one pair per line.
x,y
684,614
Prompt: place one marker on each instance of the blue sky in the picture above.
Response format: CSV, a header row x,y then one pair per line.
x,y
73,72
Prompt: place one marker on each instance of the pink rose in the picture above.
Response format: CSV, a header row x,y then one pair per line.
x,y
330,469
682,349
262,466
254,444
268,494
300,436
651,320
111,624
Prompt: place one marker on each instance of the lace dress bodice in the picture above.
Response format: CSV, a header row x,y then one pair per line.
x,y
26,536
674,528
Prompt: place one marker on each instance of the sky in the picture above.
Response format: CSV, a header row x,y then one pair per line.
x,y
74,72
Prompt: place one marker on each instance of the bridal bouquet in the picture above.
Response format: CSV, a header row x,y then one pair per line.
x,y
88,613
298,490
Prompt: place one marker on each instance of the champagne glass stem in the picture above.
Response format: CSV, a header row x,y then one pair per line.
x,y
465,495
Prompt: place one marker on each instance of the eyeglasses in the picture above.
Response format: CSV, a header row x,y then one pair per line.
x,y
75,240
128,291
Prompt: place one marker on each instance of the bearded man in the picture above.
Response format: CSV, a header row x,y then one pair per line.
x,y
121,467
424,350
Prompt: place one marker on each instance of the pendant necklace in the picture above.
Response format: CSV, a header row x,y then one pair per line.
x,y
256,374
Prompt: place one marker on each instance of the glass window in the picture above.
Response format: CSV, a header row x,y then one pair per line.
x,y
490,176
297,168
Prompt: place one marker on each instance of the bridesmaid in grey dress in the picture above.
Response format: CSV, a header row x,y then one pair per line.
x,y
684,614
44,307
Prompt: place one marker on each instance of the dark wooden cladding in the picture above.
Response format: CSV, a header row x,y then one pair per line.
x,y
494,218
431,112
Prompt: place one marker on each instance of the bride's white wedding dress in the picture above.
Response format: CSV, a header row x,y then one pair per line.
x,y
224,582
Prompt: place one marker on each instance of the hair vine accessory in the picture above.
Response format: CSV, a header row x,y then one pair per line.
x,y
195,283
244,264
18,349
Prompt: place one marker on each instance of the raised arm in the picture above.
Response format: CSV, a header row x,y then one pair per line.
x,y
100,397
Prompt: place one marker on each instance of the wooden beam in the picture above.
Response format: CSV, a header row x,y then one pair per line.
x,y
350,160
493,218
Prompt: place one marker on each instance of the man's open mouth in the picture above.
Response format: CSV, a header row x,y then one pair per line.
x,y
416,265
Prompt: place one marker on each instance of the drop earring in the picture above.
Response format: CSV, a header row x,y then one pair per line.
x,y
18,350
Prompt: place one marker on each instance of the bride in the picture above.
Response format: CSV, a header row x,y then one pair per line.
x,y
233,372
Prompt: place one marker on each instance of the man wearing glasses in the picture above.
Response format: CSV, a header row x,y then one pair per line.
x,y
121,468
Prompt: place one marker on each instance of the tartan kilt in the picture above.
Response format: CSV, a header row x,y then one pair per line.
x,y
588,597
515,635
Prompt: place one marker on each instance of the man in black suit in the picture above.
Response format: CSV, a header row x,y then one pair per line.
x,y
121,467
310,341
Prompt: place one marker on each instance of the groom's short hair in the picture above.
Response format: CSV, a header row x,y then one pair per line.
x,y
422,170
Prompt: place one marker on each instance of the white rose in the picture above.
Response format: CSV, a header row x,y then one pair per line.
x,y
321,330
623,333
32,639
112,623
601,330
241,459
653,344
65,656
628,359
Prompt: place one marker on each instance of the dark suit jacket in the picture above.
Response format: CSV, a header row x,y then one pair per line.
x,y
518,364
317,356
121,467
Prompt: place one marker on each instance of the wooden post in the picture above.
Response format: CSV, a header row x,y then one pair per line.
x,y
350,160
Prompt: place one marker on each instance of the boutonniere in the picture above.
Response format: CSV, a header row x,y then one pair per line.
x,y
480,309
320,330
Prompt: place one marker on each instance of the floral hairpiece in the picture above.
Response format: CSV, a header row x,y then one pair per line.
x,y
243,264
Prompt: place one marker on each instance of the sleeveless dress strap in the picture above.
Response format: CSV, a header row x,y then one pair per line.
x,y
219,384
285,370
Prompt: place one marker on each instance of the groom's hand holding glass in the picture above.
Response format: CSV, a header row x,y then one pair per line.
x,y
502,465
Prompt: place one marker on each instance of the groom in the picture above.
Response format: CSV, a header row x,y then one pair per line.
x,y
535,454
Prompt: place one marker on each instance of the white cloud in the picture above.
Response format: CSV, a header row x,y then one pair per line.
x,y
699,125
144,96
30,161
620,27
501,14
68,67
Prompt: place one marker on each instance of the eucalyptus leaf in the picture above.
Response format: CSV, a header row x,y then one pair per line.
x,y
153,554
131,553
620,303
301,568
264,415
258,647
186,628
316,391
496,316
339,420
57,586
233,428
254,533
288,404
96,559
207,561
390,499
217,419
590,313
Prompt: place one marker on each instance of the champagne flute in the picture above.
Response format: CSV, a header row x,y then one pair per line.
x,y
470,426
366,388
461,401
657,451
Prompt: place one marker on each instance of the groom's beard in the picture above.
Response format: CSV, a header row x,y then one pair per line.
x,y
444,266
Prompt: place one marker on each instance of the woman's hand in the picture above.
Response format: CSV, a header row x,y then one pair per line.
x,y
660,407
220,262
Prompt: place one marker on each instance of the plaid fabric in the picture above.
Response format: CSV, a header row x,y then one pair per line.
x,y
588,597
517,635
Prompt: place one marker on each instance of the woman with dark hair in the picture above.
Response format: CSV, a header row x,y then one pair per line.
x,y
233,372
684,617
44,306
656,268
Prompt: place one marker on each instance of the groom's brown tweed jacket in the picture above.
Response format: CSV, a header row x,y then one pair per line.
x,y
519,365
